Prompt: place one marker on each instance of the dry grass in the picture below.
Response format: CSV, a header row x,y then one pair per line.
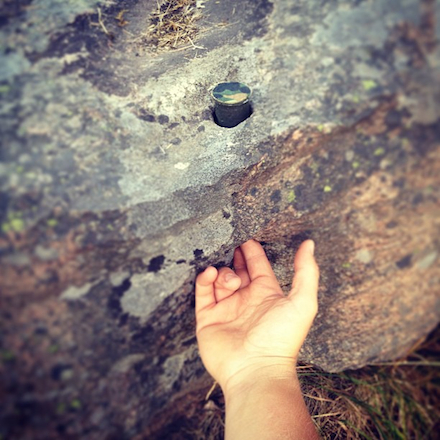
x,y
210,425
172,25
396,400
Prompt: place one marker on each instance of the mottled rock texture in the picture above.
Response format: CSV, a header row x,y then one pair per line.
x,y
117,187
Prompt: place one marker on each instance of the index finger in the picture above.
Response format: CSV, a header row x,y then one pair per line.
x,y
256,260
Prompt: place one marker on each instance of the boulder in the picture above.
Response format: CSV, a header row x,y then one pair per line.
x,y
117,187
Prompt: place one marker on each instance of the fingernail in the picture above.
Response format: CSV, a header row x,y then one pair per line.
x,y
312,248
229,277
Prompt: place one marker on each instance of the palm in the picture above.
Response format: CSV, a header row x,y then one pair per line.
x,y
251,317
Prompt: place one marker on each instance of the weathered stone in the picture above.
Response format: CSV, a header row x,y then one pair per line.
x,y
73,292
117,187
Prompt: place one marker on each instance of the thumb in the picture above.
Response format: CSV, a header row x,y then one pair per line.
x,y
305,281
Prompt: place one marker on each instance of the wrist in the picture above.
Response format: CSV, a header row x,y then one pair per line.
x,y
261,373
266,402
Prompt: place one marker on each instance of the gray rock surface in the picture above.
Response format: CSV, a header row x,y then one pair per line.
x,y
117,187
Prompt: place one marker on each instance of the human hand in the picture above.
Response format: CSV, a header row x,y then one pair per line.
x,y
244,321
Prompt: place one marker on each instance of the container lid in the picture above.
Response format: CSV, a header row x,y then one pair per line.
x,y
231,93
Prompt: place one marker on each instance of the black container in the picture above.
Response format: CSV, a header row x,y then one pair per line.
x,y
232,104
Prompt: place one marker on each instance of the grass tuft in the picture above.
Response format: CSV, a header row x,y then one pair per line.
x,y
392,400
172,25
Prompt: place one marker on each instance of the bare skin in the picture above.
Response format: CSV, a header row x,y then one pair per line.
x,y
249,336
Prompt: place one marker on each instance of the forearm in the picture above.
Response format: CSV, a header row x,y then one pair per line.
x,y
269,406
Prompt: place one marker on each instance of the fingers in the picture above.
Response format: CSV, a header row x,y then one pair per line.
x,y
256,261
240,267
205,289
305,281
226,283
